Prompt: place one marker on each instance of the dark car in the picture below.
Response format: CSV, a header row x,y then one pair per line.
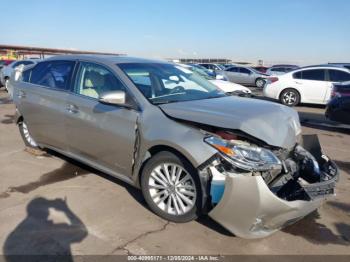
x,y
261,69
346,65
338,109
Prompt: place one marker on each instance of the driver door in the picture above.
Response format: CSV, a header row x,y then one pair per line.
x,y
98,133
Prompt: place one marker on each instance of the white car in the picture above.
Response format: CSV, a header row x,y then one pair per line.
x,y
226,86
6,71
311,84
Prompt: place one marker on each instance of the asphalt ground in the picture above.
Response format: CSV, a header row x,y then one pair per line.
x,y
52,205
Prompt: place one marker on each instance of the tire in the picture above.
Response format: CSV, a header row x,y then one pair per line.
x,y
163,195
290,97
259,83
25,134
6,84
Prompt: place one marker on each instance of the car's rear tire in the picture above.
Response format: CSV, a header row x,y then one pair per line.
x,y
290,97
26,136
171,187
260,82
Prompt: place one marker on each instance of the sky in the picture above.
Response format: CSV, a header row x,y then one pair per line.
x,y
304,31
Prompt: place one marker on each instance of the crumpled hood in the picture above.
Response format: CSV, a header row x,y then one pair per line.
x,y
275,124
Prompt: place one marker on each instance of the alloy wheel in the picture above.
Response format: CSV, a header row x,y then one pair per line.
x,y
289,98
172,189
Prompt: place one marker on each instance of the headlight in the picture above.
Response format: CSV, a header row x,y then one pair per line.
x,y
244,156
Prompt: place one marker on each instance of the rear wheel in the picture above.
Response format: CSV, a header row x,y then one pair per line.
x,y
171,187
26,136
259,83
290,97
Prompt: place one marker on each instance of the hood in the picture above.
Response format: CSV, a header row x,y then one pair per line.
x,y
227,86
275,124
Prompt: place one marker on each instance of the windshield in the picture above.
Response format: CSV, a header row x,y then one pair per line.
x,y
167,83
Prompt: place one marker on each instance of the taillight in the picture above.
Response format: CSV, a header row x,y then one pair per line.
x,y
272,79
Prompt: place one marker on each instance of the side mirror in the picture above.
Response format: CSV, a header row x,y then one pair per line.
x,y
114,98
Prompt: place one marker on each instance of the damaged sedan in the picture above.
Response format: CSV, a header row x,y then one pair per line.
x,y
189,147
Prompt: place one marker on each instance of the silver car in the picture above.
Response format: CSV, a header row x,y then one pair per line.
x,y
191,149
245,76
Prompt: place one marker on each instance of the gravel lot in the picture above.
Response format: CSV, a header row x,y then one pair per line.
x,y
112,218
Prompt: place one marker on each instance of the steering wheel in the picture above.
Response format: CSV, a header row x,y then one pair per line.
x,y
177,89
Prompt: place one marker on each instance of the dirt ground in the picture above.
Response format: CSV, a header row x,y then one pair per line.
x,y
50,204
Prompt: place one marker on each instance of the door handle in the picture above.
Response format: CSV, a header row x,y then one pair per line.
x,y
72,109
298,83
21,94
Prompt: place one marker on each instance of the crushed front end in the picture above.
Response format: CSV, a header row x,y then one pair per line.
x,y
255,191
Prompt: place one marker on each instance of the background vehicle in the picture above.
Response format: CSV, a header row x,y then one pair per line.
x,y
178,143
245,76
311,84
261,69
213,67
5,63
280,70
7,71
338,109
212,73
346,65
225,86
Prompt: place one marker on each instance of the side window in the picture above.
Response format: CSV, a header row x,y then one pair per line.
x,y
233,69
314,74
244,70
53,74
297,75
338,76
94,80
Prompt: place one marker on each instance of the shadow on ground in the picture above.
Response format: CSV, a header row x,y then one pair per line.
x,y
37,235
317,233
10,119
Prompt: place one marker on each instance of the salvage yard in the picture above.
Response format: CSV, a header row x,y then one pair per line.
x,y
87,212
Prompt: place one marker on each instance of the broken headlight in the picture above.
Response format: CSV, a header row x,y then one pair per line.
x,y
244,155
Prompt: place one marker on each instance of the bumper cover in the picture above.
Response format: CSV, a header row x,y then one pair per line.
x,y
249,209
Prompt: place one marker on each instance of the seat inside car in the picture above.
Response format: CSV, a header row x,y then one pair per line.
x,y
92,84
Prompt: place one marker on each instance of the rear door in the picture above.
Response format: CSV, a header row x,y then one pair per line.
x,y
99,133
42,100
312,85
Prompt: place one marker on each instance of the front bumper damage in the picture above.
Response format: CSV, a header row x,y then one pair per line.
x,y
252,208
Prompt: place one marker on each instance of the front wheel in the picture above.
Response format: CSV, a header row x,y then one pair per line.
x,y
171,187
260,83
290,97
26,136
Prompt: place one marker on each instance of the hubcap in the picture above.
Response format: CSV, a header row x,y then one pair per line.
x,y
27,135
289,98
260,83
172,189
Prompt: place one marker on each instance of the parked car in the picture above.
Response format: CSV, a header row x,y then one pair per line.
x,y
261,69
6,71
245,76
346,65
225,86
280,70
213,67
215,74
190,148
5,63
338,109
305,85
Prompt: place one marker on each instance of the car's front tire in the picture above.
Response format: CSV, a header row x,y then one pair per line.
x,y
26,136
171,187
290,97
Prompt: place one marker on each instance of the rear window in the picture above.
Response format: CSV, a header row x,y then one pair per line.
x,y
338,76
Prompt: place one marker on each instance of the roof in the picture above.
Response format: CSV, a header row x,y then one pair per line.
x,y
326,66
